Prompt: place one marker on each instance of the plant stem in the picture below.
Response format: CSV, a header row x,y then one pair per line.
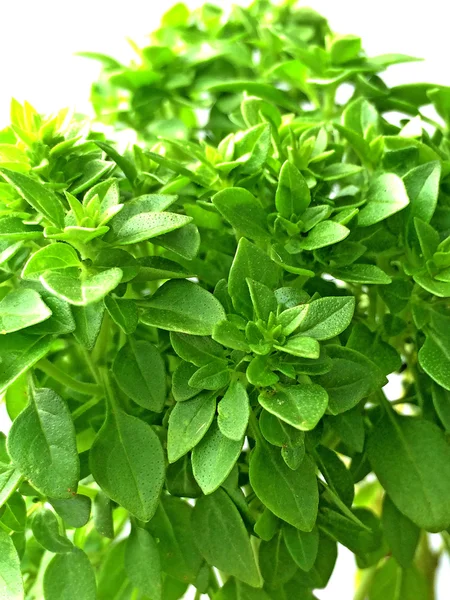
x,y
366,581
85,407
88,389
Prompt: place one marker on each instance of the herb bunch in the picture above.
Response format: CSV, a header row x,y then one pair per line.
x,y
197,331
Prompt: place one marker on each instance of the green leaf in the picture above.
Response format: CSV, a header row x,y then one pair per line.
x,y
302,545
243,211
291,495
22,308
362,273
142,563
422,187
54,257
127,462
386,196
441,403
213,458
276,563
327,317
185,307
81,291
212,376
88,321
18,353
11,586
324,234
360,114
70,575
181,389
15,513
263,299
172,526
434,356
140,372
293,195
250,262
411,458
401,533
198,350
222,538
352,377
74,511
14,230
42,445
300,346
136,222
302,406
234,411
339,171
10,478
188,423
40,197
123,312
46,530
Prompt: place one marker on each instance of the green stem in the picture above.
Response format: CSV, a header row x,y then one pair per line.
x,y
365,584
88,389
85,407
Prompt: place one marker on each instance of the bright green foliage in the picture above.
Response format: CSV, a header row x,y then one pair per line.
x,y
196,331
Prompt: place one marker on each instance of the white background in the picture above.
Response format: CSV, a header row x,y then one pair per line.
x,y
38,39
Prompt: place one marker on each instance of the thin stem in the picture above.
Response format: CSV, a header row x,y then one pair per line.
x,y
88,389
365,584
85,407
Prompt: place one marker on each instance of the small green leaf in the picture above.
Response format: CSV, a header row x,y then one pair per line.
x,y
140,373
327,317
213,458
250,262
127,462
293,195
11,586
74,511
243,211
302,406
324,234
46,530
188,423
386,196
361,273
123,312
212,376
172,525
223,539
184,307
19,352
40,197
291,495
22,308
302,346
70,575
401,533
42,445
54,257
435,354
411,458
302,545
142,563
234,411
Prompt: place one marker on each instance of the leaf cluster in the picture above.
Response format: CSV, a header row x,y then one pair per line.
x,y
197,331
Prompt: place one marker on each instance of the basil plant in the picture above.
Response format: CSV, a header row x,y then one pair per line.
x,y
198,330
